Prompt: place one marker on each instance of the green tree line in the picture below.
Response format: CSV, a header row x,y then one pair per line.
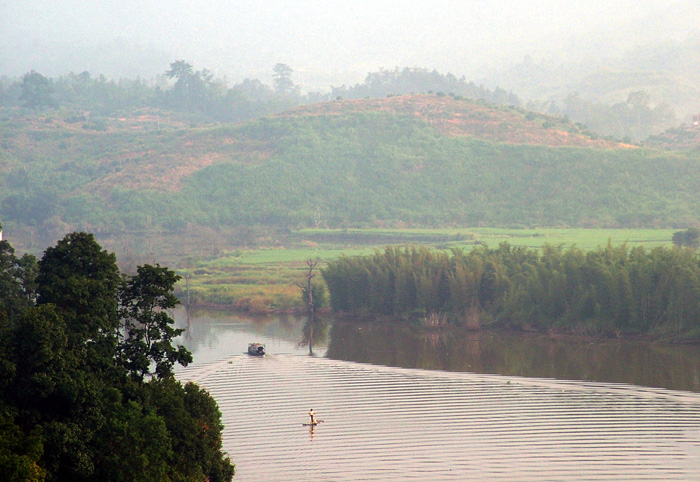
x,y
182,88
179,89
417,79
610,290
87,390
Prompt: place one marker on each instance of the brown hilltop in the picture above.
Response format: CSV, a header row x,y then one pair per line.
x,y
460,117
156,150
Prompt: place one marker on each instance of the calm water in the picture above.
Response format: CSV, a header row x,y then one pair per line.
x,y
401,405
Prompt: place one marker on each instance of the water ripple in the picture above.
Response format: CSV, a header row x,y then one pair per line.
x,y
383,423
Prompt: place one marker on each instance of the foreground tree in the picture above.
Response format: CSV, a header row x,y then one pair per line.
x,y
19,453
17,288
149,331
78,398
193,418
81,280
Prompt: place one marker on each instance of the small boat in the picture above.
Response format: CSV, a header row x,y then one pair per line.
x,y
256,349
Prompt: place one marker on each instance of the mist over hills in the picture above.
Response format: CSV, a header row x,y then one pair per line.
x,y
543,53
563,96
666,71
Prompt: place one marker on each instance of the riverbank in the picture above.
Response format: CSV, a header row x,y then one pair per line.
x,y
266,275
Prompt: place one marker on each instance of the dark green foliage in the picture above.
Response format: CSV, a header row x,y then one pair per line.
x,y
609,290
689,238
78,400
19,453
133,443
80,280
194,421
53,389
148,331
17,287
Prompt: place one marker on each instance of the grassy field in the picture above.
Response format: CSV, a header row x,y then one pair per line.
x,y
268,278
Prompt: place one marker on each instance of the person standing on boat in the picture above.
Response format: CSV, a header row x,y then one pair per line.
x,y
312,416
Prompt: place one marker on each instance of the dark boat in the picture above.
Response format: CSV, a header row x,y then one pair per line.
x,y
256,349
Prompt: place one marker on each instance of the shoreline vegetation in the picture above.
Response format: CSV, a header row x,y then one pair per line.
x,y
609,291
263,275
249,280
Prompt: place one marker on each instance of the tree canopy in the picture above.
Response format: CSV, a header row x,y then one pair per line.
x,y
689,238
282,79
37,90
607,291
87,390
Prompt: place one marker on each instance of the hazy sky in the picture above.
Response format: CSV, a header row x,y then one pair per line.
x,y
323,41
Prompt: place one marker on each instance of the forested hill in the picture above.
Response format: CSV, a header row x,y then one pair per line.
x,y
455,116
423,160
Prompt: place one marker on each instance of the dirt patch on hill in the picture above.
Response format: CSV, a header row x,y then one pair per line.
x,y
460,117
167,169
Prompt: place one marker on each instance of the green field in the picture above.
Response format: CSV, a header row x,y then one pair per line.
x,y
266,278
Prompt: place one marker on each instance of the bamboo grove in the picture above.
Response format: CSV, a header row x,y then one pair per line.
x,y
611,290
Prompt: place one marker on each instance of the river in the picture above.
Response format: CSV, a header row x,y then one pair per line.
x,y
405,404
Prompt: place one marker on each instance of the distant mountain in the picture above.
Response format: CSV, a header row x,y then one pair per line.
x,y
420,160
590,65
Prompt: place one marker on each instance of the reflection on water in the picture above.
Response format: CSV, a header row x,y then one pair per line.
x,y
517,354
315,333
486,408
213,335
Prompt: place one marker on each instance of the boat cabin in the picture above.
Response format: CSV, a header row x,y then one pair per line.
x,y
256,349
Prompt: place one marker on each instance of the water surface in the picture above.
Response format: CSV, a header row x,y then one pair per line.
x,y
387,417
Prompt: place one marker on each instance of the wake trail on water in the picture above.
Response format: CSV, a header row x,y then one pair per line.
x,y
384,423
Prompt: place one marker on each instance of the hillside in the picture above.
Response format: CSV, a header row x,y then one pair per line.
x,y
683,138
453,116
415,160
